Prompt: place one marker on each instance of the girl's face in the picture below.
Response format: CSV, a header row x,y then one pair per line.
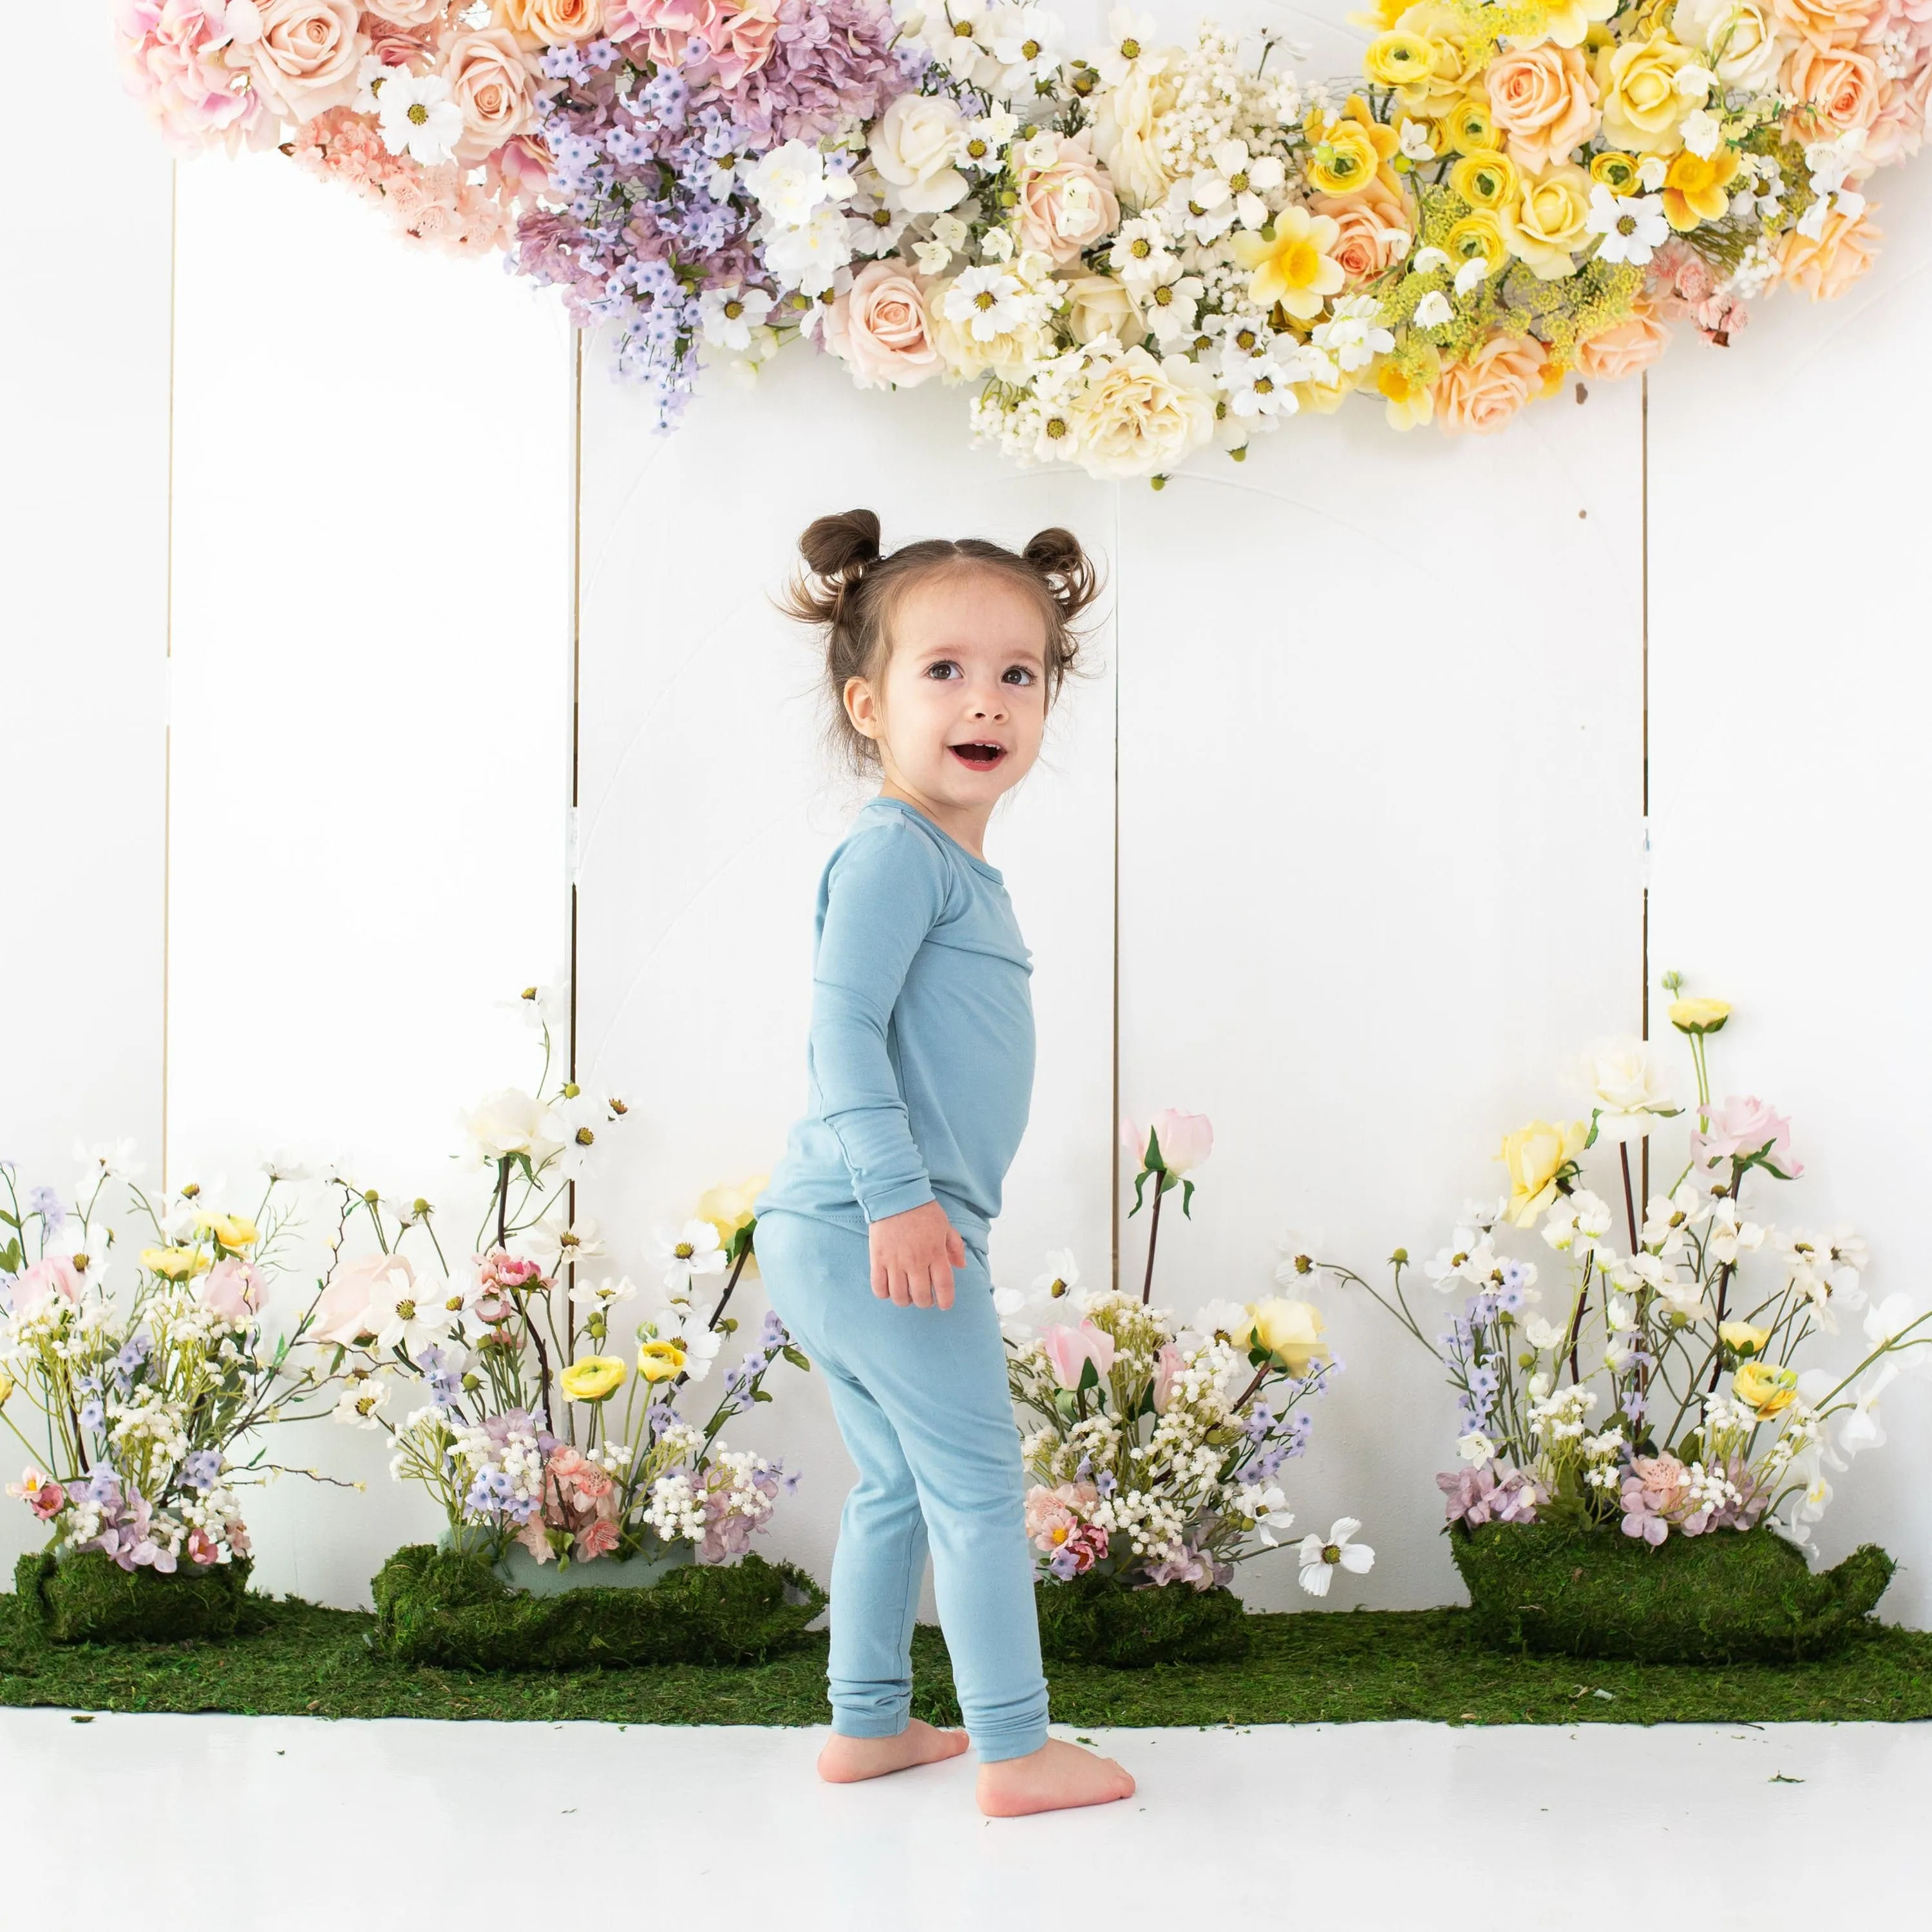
x,y
960,717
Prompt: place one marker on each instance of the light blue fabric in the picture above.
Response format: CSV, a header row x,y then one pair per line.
x,y
920,1396
919,1062
920,1069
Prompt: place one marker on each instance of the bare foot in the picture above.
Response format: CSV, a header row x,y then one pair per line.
x,y
1056,1777
852,1760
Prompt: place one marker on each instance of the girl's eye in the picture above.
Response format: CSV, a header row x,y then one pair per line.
x,y
944,668
1017,674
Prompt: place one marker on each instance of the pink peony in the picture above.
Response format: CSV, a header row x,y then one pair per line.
x,y
877,328
1745,1127
39,1283
342,1312
520,168
174,58
235,1290
720,41
1186,1140
1069,1350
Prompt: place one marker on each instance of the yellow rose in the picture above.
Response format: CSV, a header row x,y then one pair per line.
x,y
1741,1336
1699,1016
1294,268
728,1208
1291,1331
1766,1389
1548,222
1485,179
1642,109
660,1361
1535,1155
1477,237
593,1377
175,1263
232,1231
1450,74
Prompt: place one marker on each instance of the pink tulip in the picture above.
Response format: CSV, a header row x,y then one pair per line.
x,y
1069,1350
1186,1140
1742,1126
235,1290
35,1287
1167,1367
342,1312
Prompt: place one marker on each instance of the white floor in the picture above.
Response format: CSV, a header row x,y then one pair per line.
x,y
232,1824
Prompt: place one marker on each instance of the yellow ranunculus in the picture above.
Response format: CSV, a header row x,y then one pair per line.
x,y
1445,31
232,1231
1469,125
175,1263
1477,237
1695,189
729,1208
1535,1155
6,1385
1642,109
1742,1336
593,1377
659,1361
1485,179
1347,151
1395,59
1618,173
1294,268
1699,1016
1766,1389
1548,221
1291,1331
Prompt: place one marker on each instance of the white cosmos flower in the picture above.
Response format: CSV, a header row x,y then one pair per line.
x,y
407,1312
1140,255
1007,1304
1300,1267
1227,1321
556,1239
1729,1237
1353,334
1319,1558
1028,42
105,1160
361,1398
1861,1428
585,1122
1886,1320
729,316
613,1291
701,1345
693,1250
418,117
1468,1257
1062,1274
1201,204
1130,47
988,300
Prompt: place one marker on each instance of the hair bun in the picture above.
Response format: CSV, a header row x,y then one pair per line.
x,y
1057,555
841,547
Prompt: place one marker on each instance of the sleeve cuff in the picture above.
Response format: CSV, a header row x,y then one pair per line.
x,y
898,1200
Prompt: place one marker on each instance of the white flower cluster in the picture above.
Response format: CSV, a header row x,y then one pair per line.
x,y
720,1503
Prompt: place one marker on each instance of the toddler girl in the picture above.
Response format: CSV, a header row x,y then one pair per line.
x,y
943,659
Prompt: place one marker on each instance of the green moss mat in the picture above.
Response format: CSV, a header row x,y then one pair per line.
x,y
1334,1667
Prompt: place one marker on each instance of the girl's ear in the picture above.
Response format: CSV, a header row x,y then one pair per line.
x,y
862,708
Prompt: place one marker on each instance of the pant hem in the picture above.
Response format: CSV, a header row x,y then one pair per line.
x,y
846,1726
995,1747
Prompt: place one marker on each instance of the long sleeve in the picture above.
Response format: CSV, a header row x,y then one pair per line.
x,y
882,897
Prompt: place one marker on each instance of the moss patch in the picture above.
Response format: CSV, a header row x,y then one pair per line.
x,y
1723,1598
448,1607
1097,1619
1327,1666
89,1599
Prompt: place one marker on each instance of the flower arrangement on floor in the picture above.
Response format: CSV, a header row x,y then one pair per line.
x,y
531,1428
1136,253
133,1406
1658,1390
1154,1446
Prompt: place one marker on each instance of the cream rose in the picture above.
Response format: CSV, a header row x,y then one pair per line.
x,y
913,148
1824,268
490,83
1098,305
1738,39
1642,109
1480,395
1141,416
1068,206
1632,344
965,356
1544,99
410,12
302,55
1828,23
878,328
1123,132
1367,240
1548,222
1836,88
539,23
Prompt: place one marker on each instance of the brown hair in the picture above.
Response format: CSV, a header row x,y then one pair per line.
x,y
848,590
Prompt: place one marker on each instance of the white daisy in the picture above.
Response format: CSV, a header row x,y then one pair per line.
x,y
693,1250
1320,1558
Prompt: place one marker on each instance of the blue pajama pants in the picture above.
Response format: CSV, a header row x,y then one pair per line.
x,y
920,1397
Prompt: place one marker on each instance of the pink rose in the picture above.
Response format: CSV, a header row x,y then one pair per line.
x,y
489,82
399,47
302,54
1544,99
1069,1350
1186,1140
1900,129
740,41
550,23
235,1289
1480,396
877,328
1632,344
1824,268
1746,1126
37,1284
175,59
1069,206
408,14
47,1502
520,168
342,1312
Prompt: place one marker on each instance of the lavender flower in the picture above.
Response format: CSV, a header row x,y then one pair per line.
x,y
201,1469
46,1203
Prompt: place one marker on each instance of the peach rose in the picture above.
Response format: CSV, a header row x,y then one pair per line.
x,y
1835,87
1069,206
1632,344
1828,23
489,82
1480,395
1900,129
410,13
1824,268
302,55
1367,242
878,328
542,23
1545,100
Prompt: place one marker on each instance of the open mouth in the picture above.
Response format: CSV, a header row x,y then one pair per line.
x,y
982,756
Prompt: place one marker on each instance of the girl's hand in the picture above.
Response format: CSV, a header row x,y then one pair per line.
x,y
913,1255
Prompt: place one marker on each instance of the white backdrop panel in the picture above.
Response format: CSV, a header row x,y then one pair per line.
x,y
83,616
1790,689
1380,872
708,807
370,726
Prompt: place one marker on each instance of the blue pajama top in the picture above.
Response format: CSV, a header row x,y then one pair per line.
x,y
919,1062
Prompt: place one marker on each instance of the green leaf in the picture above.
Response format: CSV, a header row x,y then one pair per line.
x,y
1596,1116
796,1357
1090,1376
1187,1199
741,1241
9,1257
1140,1181
761,1395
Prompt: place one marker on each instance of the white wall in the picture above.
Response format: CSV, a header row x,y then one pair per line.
x,y
1377,805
